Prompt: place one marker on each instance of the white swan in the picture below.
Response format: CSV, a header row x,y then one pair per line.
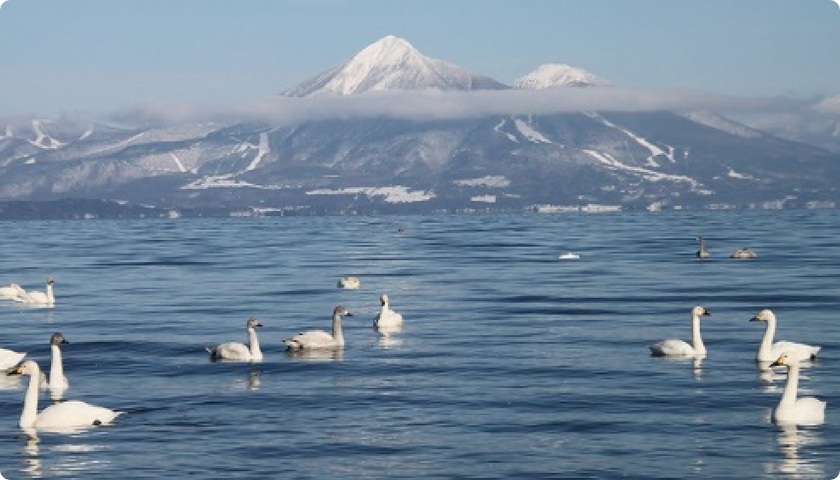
x,y
792,410
319,339
64,416
769,351
10,358
349,283
12,291
743,254
702,253
386,317
569,256
45,299
56,380
679,347
239,351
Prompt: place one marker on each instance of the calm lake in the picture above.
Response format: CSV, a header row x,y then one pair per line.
x,y
512,363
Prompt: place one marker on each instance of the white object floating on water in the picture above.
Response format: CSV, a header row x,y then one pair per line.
x,y
769,351
349,283
239,351
682,348
387,317
793,410
319,339
570,256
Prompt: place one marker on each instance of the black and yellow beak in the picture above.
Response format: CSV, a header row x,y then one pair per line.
x,y
16,370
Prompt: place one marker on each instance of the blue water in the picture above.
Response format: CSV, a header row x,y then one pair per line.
x,y
512,363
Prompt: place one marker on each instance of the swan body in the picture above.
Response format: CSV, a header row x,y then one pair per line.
x,y
702,253
10,358
349,283
56,380
60,416
769,351
569,256
673,347
239,351
12,291
793,410
386,317
43,299
319,339
743,254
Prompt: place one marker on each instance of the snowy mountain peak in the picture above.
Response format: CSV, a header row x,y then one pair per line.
x,y
392,63
557,75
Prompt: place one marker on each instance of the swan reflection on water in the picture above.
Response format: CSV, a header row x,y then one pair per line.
x,y
793,462
324,354
387,338
65,459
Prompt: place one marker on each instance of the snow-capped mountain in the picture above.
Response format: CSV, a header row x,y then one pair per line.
x,y
392,63
555,75
516,162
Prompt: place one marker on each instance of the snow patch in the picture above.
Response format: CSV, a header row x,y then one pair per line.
x,y
43,140
491,181
484,198
178,163
262,150
655,151
528,132
498,129
650,175
392,194
740,176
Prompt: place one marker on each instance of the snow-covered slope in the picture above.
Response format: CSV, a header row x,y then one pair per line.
x,y
554,75
392,63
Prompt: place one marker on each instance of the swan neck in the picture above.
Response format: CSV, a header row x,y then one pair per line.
x,y
767,339
336,330
791,386
50,296
56,366
30,402
254,343
696,339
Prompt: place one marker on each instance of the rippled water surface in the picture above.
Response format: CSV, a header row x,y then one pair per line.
x,y
512,363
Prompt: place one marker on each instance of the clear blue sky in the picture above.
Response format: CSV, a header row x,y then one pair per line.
x,y
96,56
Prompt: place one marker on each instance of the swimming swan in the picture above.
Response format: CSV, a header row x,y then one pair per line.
x,y
57,380
386,317
239,351
10,358
44,299
743,254
60,416
569,256
11,291
679,347
349,283
314,339
792,410
769,351
702,253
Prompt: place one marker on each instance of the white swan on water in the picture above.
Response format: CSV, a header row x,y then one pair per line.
x,y
10,358
679,347
56,380
793,410
64,416
239,351
386,317
769,351
743,254
702,253
42,299
349,283
319,339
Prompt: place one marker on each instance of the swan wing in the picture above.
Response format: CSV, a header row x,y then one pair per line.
x,y
388,318
10,358
311,339
74,414
800,350
230,351
671,348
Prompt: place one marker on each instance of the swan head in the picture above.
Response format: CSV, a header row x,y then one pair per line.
x,y
383,299
765,315
784,360
29,367
50,281
341,312
253,322
57,339
699,311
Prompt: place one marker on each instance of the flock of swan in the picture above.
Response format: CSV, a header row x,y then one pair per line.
x,y
740,254
72,415
791,408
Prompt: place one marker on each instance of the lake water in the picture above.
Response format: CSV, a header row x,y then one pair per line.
x,y
512,363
